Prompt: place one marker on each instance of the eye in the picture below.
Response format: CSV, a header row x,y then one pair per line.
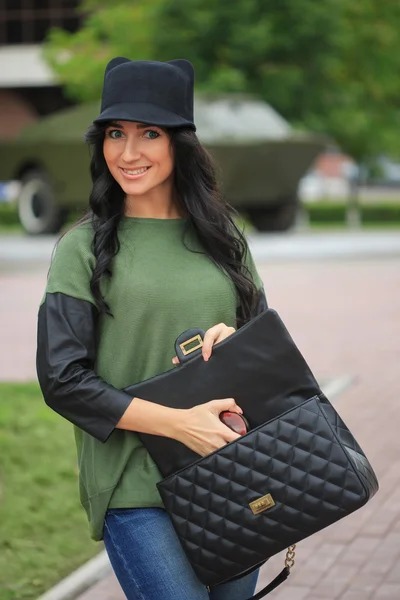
x,y
111,133
152,134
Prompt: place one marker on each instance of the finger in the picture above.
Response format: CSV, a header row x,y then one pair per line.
x,y
230,435
210,337
220,332
226,404
175,360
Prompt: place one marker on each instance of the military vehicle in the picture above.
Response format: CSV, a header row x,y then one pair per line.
x,y
260,158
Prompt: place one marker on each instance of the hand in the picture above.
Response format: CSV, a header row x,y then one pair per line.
x,y
212,336
200,428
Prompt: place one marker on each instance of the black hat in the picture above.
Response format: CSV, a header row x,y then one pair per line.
x,y
147,91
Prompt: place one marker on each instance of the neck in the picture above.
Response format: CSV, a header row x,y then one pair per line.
x,y
156,204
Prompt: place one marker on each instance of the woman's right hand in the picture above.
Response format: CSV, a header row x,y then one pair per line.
x,y
200,428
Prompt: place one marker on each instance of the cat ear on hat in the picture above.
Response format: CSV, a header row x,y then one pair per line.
x,y
115,62
185,65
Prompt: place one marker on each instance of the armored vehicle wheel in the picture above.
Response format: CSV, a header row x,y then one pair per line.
x,y
37,210
275,218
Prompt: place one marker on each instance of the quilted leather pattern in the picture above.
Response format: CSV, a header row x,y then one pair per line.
x,y
351,446
299,459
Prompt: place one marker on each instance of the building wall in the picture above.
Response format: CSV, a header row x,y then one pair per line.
x,y
24,24
28,21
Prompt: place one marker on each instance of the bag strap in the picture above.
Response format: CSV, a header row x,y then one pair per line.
x,y
283,575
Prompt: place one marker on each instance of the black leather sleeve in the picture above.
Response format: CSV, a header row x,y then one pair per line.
x,y
66,348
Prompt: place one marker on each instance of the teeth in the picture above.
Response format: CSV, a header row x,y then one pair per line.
x,y
136,171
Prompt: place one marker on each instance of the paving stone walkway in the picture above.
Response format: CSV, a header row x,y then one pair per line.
x,y
345,317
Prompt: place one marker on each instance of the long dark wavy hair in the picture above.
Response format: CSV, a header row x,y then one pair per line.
x,y
199,197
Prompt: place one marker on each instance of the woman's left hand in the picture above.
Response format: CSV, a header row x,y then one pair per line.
x,y
212,336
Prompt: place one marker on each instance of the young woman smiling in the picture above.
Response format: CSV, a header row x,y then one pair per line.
x,y
141,160
157,253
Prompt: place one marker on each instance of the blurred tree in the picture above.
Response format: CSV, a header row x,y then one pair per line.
x,y
331,65
361,106
111,28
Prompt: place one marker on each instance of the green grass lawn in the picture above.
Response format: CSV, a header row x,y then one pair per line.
x,y
43,530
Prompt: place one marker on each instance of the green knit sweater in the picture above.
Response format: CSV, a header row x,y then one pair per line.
x,y
158,289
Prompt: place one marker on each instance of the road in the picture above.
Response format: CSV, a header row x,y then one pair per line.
x,y
19,252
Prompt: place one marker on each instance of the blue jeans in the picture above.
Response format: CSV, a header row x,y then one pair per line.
x,y
150,564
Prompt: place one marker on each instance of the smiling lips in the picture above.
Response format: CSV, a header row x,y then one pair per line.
x,y
134,173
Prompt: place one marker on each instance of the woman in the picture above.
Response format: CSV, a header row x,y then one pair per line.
x,y
158,253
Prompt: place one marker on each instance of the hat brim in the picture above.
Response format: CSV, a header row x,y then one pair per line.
x,y
143,112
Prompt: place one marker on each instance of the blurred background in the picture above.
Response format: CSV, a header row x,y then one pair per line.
x,y
299,103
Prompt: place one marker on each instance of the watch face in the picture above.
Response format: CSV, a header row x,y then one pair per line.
x,y
236,422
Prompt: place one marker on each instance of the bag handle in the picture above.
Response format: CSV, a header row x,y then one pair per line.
x,y
283,575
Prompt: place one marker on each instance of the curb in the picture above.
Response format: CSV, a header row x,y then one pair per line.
x,y
99,567
80,580
335,387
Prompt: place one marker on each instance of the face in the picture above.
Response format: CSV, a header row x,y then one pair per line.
x,y
139,157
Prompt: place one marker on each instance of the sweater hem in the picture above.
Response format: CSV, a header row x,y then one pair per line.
x,y
97,506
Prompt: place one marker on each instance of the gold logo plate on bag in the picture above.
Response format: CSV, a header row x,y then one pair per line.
x,y
186,351
258,506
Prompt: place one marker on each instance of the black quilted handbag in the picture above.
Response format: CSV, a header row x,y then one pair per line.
x,y
298,469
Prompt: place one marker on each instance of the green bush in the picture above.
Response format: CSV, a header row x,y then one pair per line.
x,y
381,213
319,213
328,212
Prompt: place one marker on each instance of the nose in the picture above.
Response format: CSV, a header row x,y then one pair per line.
x,y
131,151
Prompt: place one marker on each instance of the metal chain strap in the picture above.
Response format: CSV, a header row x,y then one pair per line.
x,y
290,554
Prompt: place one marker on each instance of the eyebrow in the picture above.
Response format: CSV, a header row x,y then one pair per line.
x,y
138,126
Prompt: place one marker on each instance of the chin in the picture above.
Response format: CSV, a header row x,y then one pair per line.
x,y
135,188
